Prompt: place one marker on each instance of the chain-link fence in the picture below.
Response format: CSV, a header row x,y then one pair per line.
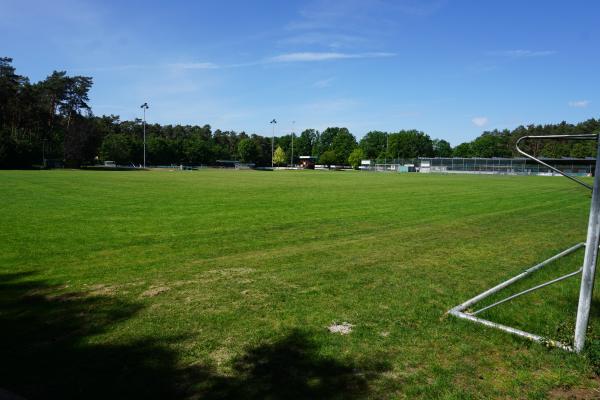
x,y
508,166
392,165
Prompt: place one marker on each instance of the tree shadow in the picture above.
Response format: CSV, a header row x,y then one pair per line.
x,y
292,368
48,350
594,308
51,347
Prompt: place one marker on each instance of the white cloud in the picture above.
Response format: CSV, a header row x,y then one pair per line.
x,y
123,67
194,65
281,58
480,121
323,83
520,53
358,14
579,103
323,56
175,66
328,39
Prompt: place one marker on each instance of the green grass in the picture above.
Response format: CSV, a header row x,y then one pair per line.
x,y
221,284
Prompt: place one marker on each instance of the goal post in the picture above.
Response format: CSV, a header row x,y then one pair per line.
x,y
589,261
587,270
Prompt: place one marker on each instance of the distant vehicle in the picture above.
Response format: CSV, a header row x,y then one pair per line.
x,y
111,164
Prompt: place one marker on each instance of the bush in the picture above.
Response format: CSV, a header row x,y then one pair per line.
x,y
328,158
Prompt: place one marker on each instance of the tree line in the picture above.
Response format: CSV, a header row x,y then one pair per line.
x,y
52,120
501,143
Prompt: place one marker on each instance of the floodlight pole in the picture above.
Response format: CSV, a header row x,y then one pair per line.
x,y
292,160
144,107
273,122
387,148
44,152
589,261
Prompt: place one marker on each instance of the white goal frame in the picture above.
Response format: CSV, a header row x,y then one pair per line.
x,y
588,269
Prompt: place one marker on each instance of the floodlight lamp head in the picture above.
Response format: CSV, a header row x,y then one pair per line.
x,y
274,121
145,105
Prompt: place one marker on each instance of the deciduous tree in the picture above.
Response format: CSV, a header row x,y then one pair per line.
x,y
356,157
328,158
247,150
279,156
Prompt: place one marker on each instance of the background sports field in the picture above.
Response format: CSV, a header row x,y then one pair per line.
x,y
221,284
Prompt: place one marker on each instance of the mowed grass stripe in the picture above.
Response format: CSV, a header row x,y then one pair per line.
x,y
238,259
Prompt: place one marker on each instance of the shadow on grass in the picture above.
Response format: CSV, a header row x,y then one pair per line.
x,y
48,351
291,368
595,307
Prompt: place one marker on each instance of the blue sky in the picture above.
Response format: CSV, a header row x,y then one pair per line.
x,y
449,68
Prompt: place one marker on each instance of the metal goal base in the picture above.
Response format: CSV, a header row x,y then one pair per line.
x,y
460,310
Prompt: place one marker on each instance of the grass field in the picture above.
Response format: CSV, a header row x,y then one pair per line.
x,y
221,284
